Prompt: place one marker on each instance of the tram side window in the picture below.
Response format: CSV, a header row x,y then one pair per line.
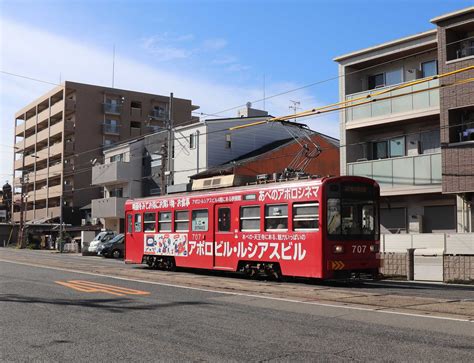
x,y
149,222
164,222
276,217
130,223
250,218
305,216
223,216
181,221
138,222
200,220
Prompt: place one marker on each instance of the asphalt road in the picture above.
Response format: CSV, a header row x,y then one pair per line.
x,y
50,314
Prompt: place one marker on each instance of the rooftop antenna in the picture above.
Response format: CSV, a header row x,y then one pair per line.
x,y
295,107
113,67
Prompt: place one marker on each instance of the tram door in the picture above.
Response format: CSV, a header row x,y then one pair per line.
x,y
222,236
133,238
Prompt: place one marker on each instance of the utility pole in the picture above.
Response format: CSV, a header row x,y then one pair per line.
x,y
24,182
170,140
164,159
61,221
295,107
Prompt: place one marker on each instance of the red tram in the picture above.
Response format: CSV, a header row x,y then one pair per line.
x,y
318,228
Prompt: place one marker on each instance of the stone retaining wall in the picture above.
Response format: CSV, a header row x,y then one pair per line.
x,y
455,268
458,268
394,264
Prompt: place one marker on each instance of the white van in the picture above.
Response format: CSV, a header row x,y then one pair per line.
x,y
101,237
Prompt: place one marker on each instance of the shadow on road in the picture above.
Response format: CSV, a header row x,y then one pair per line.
x,y
114,305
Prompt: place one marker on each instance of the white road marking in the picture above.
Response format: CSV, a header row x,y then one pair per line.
x,y
375,310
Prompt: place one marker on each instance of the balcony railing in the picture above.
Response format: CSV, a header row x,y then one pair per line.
x,y
158,114
402,172
112,108
110,129
113,173
408,103
112,207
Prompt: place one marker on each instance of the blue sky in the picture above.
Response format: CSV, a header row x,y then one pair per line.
x,y
214,52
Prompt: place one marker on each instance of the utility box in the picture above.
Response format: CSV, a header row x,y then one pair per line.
x,y
86,238
429,256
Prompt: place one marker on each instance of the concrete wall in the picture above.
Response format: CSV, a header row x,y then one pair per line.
x,y
438,256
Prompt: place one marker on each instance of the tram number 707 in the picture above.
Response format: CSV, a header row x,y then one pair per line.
x,y
358,248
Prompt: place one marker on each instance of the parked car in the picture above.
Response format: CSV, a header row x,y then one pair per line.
x,y
113,248
101,237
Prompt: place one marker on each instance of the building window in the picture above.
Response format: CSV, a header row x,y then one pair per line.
x,y
118,157
461,125
181,221
158,112
138,222
393,77
156,160
389,148
192,141
108,142
276,217
223,220
135,124
376,81
136,104
149,222
116,192
250,219
129,223
380,150
305,216
111,126
429,68
164,221
397,147
228,141
459,41
200,220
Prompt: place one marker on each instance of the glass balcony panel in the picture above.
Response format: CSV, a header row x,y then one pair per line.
x,y
402,172
363,169
401,104
423,170
380,108
382,172
361,112
436,168
421,100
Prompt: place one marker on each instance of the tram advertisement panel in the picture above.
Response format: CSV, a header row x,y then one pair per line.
x,y
166,244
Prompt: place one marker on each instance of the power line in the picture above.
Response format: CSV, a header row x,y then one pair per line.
x,y
227,129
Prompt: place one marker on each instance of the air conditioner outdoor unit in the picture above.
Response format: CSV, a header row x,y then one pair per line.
x,y
94,221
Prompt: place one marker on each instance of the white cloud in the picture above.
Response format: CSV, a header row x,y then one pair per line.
x,y
214,44
223,60
43,55
164,47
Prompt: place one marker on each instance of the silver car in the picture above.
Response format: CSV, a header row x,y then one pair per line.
x,y
101,237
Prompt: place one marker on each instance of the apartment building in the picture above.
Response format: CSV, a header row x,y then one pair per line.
x,y
62,133
130,170
403,141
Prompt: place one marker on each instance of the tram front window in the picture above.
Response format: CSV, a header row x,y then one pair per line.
x,y
352,218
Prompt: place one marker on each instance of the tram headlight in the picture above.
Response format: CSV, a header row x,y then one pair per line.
x,y
374,248
338,249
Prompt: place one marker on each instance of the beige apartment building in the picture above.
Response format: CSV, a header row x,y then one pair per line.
x,y
60,135
418,143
